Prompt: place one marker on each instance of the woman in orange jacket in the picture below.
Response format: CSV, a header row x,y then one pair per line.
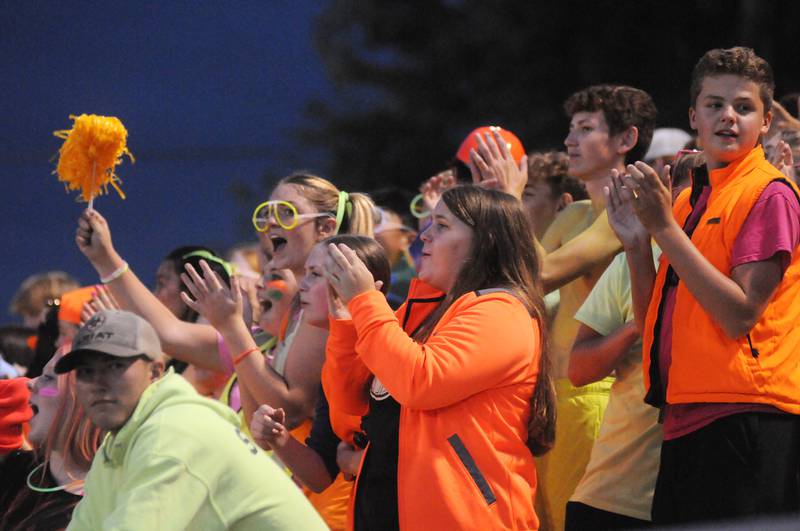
x,y
454,385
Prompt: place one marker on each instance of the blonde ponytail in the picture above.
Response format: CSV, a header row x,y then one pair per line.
x,y
358,218
361,218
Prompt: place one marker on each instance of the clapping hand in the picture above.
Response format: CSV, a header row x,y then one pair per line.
x,y
267,427
652,196
622,215
782,158
221,306
336,308
346,273
101,300
349,460
493,166
433,188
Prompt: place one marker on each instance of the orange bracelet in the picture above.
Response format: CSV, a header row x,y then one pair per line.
x,y
244,354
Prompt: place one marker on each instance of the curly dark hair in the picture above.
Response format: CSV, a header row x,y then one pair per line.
x,y
552,167
737,61
622,107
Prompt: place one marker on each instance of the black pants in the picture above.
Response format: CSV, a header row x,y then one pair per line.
x,y
737,466
582,517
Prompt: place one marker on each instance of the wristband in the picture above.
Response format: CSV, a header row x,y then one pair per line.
x,y
244,354
116,274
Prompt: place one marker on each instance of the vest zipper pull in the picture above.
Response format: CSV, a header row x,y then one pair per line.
x,y
753,351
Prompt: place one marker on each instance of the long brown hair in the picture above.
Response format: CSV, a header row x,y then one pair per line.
x,y
502,255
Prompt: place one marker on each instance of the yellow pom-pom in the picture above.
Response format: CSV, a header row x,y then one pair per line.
x,y
91,150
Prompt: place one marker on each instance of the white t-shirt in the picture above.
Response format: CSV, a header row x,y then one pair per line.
x,y
621,475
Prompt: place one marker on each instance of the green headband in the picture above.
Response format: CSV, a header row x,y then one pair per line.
x,y
343,205
211,258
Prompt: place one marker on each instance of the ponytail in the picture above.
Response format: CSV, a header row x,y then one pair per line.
x,y
354,213
360,217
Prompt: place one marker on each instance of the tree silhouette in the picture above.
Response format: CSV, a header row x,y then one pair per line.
x,y
413,77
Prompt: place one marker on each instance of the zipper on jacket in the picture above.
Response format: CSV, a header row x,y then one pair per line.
x,y
472,468
657,395
401,505
753,351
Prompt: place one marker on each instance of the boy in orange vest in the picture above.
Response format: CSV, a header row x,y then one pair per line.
x,y
719,319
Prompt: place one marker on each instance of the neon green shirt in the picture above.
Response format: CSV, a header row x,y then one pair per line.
x,y
182,462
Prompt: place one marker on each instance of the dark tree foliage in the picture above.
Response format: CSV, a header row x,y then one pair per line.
x,y
413,76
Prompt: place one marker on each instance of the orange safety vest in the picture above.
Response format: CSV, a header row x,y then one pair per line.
x,y
708,366
464,394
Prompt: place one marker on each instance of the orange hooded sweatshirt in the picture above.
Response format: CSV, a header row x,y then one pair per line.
x,y
465,397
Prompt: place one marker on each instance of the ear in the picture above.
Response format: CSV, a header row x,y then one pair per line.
x,y
565,199
692,119
326,227
627,139
765,125
156,369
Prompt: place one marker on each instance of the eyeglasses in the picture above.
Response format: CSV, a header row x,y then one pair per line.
x,y
285,214
383,223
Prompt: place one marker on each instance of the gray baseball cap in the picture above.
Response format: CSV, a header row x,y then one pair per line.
x,y
115,333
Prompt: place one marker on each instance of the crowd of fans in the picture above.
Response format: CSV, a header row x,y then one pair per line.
x,y
599,338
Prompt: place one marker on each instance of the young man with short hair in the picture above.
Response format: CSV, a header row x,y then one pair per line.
x,y
609,126
721,341
172,459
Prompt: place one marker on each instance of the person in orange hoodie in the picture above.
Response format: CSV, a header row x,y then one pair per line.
x,y
455,384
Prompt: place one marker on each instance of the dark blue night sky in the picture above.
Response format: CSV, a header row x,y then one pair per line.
x,y
211,93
